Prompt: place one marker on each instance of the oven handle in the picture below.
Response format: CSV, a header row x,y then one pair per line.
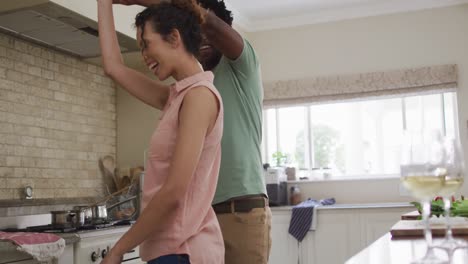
x,y
133,260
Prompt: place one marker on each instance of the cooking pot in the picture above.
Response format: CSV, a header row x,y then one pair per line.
x,y
99,213
71,218
86,214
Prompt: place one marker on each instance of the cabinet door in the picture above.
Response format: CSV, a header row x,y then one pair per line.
x,y
11,255
376,222
338,231
284,247
307,249
67,256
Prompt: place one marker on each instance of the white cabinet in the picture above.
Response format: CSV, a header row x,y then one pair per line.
x,y
67,255
340,234
375,223
284,247
334,239
307,249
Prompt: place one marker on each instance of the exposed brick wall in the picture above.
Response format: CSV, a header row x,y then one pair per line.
x,y
57,117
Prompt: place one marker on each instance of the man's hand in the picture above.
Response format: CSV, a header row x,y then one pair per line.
x,y
136,2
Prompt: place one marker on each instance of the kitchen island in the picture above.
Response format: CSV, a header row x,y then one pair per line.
x,y
386,250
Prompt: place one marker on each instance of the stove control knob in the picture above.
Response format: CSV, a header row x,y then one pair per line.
x,y
104,253
95,256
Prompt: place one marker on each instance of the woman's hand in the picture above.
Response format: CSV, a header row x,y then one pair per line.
x,y
112,258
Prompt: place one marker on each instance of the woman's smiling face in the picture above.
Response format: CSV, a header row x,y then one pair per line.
x,y
158,53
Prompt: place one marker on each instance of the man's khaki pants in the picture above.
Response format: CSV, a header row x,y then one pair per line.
x,y
247,236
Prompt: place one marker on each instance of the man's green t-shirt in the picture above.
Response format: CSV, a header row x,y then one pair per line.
x,y
240,85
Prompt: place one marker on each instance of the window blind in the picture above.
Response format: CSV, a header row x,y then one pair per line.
x,y
358,86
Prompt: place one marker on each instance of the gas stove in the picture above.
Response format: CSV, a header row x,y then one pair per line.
x,y
95,244
95,240
68,228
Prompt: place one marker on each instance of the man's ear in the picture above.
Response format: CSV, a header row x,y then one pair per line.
x,y
175,39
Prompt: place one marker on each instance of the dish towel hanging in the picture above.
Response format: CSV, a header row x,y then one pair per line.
x,y
302,218
41,246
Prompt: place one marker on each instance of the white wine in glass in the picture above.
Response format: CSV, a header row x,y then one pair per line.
x,y
455,167
423,187
423,174
450,186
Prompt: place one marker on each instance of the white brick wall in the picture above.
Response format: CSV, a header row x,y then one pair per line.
x,y
57,117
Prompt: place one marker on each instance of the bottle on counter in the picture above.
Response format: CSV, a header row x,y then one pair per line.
x,y
295,195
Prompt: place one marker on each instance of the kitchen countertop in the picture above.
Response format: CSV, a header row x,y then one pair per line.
x,y
40,206
70,238
47,201
396,251
348,206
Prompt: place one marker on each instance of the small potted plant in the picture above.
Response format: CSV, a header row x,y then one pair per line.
x,y
280,158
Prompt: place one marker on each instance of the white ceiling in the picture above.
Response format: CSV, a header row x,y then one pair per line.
x,y
256,15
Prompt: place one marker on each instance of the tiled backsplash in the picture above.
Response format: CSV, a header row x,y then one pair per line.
x,y
57,117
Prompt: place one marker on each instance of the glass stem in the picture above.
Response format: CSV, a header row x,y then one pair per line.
x,y
427,227
447,205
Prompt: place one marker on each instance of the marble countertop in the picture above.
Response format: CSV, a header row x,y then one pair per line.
x,y
386,250
349,206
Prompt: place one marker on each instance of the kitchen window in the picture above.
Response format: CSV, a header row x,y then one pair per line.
x,y
352,139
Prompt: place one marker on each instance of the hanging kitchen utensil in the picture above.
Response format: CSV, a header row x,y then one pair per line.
x,y
122,202
103,200
107,167
127,208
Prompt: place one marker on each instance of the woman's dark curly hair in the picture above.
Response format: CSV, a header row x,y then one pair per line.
x,y
219,8
183,15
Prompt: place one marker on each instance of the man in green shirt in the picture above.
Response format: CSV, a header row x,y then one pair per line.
x,y
240,202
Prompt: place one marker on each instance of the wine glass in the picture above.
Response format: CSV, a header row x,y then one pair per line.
x,y
422,173
455,166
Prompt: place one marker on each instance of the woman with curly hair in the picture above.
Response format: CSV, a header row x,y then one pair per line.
x,y
177,223
240,202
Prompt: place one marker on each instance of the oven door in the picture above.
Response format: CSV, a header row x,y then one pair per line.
x,y
132,257
134,261
11,256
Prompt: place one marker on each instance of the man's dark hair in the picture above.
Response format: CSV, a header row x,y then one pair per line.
x,y
183,15
219,8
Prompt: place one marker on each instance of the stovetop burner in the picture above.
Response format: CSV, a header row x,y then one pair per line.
x,y
68,229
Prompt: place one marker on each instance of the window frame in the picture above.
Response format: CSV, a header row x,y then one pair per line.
x,y
309,140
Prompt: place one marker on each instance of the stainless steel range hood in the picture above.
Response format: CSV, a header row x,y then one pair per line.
x,y
55,26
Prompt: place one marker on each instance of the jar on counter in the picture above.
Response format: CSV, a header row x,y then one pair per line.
x,y
291,173
295,195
